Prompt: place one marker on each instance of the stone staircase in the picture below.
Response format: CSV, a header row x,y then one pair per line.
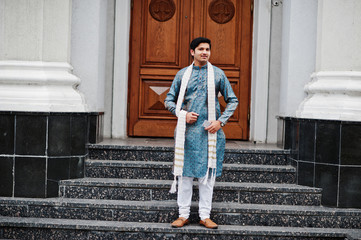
x,y
125,195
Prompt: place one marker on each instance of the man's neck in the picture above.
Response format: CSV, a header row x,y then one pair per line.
x,y
200,64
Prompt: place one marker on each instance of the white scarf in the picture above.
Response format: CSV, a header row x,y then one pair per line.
x,y
181,128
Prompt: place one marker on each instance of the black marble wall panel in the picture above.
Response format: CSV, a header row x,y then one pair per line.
x,y
284,132
326,177
293,162
78,134
59,136
350,187
351,144
307,141
327,154
287,134
52,189
295,139
6,176
31,135
6,134
96,124
77,165
58,168
93,122
37,149
306,173
30,177
328,142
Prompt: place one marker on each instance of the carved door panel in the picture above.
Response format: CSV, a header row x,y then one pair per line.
x,y
229,25
161,31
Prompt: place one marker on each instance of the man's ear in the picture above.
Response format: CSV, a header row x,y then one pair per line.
x,y
192,52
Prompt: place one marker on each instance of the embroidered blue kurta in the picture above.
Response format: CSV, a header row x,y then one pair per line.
x,y
196,100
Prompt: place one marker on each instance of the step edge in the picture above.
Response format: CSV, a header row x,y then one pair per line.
x,y
95,225
98,146
218,207
151,183
165,165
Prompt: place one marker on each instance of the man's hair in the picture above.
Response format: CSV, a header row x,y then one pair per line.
x,y
195,42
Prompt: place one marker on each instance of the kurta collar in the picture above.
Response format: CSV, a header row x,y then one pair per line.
x,y
203,67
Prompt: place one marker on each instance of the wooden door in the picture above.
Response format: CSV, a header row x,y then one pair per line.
x,y
161,31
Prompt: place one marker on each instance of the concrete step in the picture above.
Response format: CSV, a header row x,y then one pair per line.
x,y
166,212
166,154
48,228
163,171
158,190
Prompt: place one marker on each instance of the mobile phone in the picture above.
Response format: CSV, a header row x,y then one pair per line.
x,y
206,123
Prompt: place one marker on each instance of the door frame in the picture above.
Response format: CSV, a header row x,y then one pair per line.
x,y
259,78
121,61
260,70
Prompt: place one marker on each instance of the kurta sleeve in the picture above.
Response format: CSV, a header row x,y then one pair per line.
x,y
229,97
170,102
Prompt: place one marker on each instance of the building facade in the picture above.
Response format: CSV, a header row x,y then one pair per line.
x,y
67,68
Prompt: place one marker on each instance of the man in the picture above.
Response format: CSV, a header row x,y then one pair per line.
x,y
200,141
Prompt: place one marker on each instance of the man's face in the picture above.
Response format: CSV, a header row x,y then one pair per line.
x,y
201,54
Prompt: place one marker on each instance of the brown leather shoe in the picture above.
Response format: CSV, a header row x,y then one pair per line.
x,y
180,222
208,223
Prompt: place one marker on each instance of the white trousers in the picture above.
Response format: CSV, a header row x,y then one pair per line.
x,y
185,197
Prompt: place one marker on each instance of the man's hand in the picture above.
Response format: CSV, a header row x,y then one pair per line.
x,y
191,117
214,127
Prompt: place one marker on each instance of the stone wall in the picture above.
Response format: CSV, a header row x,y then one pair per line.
x,y
37,149
327,154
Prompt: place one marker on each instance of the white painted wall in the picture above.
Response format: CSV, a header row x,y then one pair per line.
x,y
299,34
260,70
109,70
93,27
274,72
100,56
266,71
88,49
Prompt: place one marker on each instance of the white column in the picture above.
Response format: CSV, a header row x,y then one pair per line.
x,y
334,91
299,28
35,74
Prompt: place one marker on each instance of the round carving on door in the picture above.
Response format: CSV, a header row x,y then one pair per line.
x,y
221,11
162,10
